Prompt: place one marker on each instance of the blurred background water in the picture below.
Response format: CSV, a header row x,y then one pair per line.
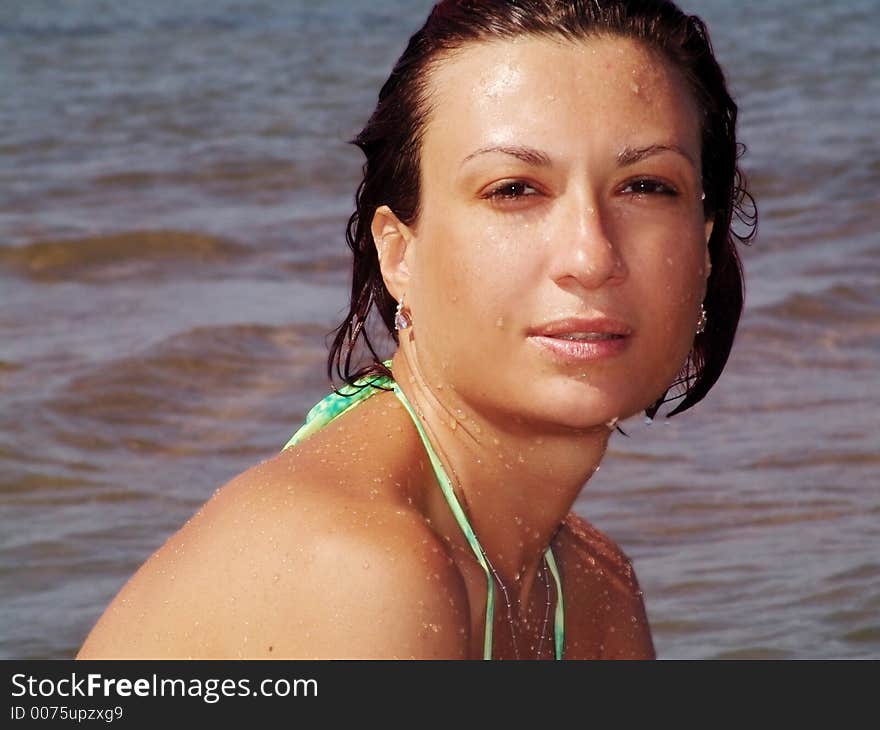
x,y
174,185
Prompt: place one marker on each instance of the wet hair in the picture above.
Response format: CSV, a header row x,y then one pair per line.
x,y
391,142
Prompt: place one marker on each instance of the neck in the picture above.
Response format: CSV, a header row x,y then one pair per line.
x,y
516,481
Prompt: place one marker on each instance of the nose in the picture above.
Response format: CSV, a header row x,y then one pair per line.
x,y
586,253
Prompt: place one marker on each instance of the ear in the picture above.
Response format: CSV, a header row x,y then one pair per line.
x,y
710,225
393,240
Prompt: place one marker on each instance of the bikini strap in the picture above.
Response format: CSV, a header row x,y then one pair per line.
x,y
347,397
338,402
460,518
470,536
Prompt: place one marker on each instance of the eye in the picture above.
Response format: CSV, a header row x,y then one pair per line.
x,y
648,186
510,190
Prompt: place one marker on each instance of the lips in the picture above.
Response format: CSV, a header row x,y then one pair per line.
x,y
579,328
579,340
586,336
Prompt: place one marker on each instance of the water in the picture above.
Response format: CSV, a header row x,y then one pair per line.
x,y
174,183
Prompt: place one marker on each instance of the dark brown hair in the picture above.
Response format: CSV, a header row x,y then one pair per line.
x,y
391,142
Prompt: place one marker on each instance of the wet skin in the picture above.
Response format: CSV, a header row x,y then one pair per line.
x,y
559,180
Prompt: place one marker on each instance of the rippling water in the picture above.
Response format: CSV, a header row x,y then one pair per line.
x,y
173,190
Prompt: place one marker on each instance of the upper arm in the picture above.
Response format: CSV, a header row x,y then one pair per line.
x,y
174,604
387,598
255,574
614,624
628,635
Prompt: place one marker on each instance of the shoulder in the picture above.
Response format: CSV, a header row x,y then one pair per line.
x,y
287,561
600,584
596,550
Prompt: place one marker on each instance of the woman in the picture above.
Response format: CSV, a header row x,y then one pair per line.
x,y
544,226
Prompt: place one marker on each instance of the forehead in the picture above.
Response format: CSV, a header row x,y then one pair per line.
x,y
566,97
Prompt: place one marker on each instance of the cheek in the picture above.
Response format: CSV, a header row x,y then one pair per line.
x,y
676,257
683,280
473,271
670,282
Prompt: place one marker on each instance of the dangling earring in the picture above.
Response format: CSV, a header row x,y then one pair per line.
x,y
701,322
402,319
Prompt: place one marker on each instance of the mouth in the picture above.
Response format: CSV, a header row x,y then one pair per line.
x,y
587,336
578,340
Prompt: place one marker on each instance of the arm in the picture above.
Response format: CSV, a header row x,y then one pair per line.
x,y
266,571
612,622
628,635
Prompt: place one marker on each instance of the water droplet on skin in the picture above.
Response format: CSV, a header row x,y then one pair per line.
x,y
453,424
518,520
499,322
276,578
366,565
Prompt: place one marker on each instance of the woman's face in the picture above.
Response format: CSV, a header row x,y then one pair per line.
x,y
559,260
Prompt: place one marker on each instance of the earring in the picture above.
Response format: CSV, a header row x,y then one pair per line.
x,y
402,318
702,321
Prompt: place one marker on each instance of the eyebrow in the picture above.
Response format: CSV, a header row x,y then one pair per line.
x,y
529,155
629,156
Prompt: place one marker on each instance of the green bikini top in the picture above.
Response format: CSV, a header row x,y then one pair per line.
x,y
334,405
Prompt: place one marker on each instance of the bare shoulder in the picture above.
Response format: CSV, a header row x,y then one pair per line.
x,y
296,561
598,550
602,595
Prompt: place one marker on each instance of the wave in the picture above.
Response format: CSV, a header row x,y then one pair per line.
x,y
197,391
254,174
840,303
837,328
117,256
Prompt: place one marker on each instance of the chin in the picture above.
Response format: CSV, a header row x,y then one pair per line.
x,y
581,405
586,413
